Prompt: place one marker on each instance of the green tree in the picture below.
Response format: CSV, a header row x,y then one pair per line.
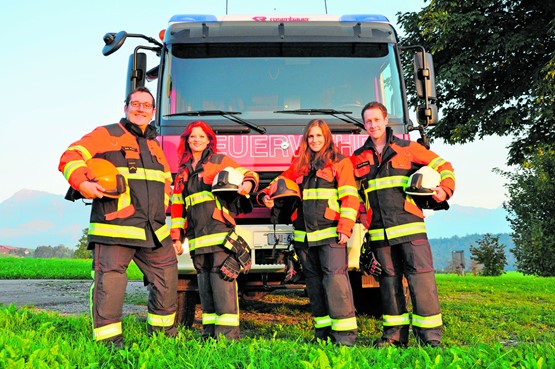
x,y
495,69
491,254
531,208
44,252
82,252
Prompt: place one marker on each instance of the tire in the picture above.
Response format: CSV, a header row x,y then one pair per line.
x,y
186,306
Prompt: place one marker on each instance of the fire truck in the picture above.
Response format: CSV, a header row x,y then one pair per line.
x,y
257,80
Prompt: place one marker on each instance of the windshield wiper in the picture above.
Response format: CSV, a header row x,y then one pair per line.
x,y
231,115
341,115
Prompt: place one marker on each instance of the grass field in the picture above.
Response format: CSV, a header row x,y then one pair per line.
x,y
490,322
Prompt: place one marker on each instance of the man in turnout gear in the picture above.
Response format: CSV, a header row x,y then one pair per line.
x,y
322,226
396,229
203,215
130,224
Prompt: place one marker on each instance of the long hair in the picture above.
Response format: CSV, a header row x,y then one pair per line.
x,y
184,151
307,157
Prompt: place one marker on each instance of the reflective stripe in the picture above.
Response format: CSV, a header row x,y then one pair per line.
x,y
322,321
346,324
177,198
215,239
396,320
71,166
83,150
319,193
208,318
427,321
160,320
349,213
230,320
386,182
397,231
436,163
447,174
107,331
198,198
299,236
111,230
178,223
162,232
344,191
322,234
154,175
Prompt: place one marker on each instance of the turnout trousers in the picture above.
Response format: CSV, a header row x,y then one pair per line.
x,y
413,260
218,298
329,291
110,262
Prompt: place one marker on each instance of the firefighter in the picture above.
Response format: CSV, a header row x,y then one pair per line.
x,y
322,225
208,223
127,219
396,229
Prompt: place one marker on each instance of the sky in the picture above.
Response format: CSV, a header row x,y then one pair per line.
x,y
58,86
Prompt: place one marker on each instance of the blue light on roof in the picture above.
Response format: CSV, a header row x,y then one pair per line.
x,y
363,18
181,18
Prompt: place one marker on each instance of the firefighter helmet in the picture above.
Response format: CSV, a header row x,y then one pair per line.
x,y
422,182
284,187
106,174
228,179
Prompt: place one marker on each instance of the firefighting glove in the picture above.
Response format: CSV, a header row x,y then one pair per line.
x,y
230,269
244,258
292,268
369,265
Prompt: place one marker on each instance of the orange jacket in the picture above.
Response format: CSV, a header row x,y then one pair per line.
x,y
137,217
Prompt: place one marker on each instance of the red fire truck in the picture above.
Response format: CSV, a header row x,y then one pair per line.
x,y
257,80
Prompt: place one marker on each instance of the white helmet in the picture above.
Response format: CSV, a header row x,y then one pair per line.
x,y
422,181
229,179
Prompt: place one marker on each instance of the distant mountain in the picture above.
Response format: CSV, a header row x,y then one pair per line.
x,y
34,218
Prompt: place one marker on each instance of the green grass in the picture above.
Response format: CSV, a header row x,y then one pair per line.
x,y
36,268
489,322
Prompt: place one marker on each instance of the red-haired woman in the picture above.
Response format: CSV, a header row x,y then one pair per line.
x,y
322,226
208,225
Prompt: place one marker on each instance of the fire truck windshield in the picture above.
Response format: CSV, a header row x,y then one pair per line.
x,y
263,81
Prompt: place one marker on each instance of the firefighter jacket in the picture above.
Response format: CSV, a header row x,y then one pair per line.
x,y
329,202
139,212
393,216
196,213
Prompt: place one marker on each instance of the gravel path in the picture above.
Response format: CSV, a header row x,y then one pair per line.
x,y
65,296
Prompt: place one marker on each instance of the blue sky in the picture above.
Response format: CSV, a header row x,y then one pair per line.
x,y
57,85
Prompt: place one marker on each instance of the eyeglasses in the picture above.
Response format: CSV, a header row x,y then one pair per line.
x,y
137,104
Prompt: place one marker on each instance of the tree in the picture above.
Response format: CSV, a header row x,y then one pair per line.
x,y
495,69
491,254
531,208
82,252
44,252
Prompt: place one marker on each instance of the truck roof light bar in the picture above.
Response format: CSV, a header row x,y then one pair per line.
x,y
197,18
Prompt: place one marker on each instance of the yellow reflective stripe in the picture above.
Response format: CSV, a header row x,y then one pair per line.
x,y
160,320
322,234
144,174
83,150
386,182
299,236
345,324
349,213
107,331
125,198
395,320
230,320
447,174
111,230
319,193
162,232
178,223
177,198
198,198
71,166
322,321
427,321
397,231
347,191
437,162
215,239
208,318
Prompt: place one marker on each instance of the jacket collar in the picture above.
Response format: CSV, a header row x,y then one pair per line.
x,y
149,133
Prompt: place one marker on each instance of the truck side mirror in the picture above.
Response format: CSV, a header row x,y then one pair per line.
x,y
427,116
424,76
113,42
136,72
